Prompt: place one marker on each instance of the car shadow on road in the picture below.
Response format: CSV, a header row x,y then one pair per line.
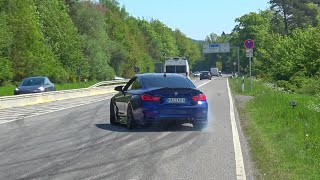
x,y
153,128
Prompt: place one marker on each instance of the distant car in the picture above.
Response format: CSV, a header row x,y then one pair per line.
x,y
196,74
157,98
214,72
34,85
205,75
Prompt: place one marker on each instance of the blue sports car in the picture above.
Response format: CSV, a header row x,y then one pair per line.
x,y
157,98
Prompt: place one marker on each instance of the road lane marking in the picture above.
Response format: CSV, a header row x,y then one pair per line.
x,y
203,84
240,171
47,112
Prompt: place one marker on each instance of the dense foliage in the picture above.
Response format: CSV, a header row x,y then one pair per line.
x,y
56,37
287,42
291,59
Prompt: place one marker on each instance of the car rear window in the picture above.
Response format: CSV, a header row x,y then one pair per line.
x,y
181,69
170,69
205,72
169,81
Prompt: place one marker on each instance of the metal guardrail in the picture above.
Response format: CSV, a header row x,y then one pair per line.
x,y
105,83
36,98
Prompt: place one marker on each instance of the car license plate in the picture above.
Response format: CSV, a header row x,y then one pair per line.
x,y
176,100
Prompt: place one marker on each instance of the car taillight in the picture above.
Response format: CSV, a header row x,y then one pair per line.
x,y
148,97
200,97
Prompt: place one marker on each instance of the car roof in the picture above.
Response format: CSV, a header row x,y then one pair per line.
x,y
35,77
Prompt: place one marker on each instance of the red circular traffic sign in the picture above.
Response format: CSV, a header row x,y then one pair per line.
x,y
249,44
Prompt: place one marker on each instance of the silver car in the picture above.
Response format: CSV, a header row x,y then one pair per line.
x,y
34,85
196,74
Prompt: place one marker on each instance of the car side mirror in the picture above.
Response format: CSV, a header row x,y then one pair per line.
x,y
118,88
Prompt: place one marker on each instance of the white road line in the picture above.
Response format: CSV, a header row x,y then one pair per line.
x,y
3,122
240,171
204,83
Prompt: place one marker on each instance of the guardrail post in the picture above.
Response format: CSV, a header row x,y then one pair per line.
x,y
242,85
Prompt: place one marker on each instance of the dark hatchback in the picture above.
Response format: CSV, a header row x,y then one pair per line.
x,y
34,85
205,75
158,98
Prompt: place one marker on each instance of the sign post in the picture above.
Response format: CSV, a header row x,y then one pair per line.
x,y
234,68
238,49
136,69
249,44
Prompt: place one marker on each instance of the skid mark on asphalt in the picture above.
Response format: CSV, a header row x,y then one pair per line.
x,y
21,113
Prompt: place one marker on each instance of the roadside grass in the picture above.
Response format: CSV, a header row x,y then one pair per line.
x,y
284,141
8,89
67,86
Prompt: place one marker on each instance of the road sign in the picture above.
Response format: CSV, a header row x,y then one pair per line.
x,y
249,52
249,44
224,47
136,69
216,48
211,48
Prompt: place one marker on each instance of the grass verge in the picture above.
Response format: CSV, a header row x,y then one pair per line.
x,y
284,141
7,90
67,86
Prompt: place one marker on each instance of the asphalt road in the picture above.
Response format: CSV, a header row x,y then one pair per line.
x,y
79,143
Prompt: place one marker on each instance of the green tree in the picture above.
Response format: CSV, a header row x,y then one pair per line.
x,y
90,21
62,37
6,71
295,13
188,48
29,53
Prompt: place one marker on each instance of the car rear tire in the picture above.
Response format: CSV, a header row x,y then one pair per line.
x,y
200,126
130,119
113,114
164,125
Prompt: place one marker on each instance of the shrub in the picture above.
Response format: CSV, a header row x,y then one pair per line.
x,y
6,71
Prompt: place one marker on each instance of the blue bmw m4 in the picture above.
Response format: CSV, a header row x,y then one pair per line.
x,y
157,98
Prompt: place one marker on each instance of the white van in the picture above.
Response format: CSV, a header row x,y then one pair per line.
x,y
214,72
177,65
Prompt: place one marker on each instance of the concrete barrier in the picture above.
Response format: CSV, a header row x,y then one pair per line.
x,y
36,98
